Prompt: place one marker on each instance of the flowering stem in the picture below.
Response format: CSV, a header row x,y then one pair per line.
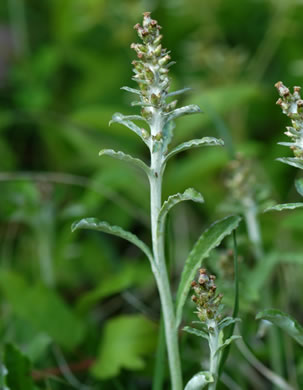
x,y
214,343
161,274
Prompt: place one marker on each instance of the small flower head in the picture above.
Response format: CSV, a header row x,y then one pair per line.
x,y
292,106
152,67
207,301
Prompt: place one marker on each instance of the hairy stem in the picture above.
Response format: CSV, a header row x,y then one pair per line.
x,y
162,279
214,343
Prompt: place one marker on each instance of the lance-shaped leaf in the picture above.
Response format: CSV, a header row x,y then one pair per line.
x,y
125,157
299,186
189,194
209,240
186,110
293,161
227,343
126,120
227,321
199,381
283,321
196,332
132,90
178,92
95,224
284,206
195,143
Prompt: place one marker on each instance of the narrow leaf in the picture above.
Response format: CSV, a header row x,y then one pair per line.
x,y
127,121
293,161
299,186
196,332
286,143
125,157
95,224
209,240
189,194
283,321
132,90
178,92
142,104
194,143
283,206
199,381
227,343
186,110
228,321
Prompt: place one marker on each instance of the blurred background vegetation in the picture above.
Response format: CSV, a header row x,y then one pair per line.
x,y
82,307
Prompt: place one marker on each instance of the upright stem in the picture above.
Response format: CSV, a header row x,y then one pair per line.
x,y
214,343
162,279
253,228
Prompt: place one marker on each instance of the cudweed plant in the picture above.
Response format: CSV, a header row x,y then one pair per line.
x,y
151,70
211,324
292,106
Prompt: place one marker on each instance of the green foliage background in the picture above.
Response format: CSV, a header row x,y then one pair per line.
x,y
85,300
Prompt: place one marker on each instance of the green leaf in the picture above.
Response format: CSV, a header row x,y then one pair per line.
x,y
125,157
19,369
283,321
189,194
299,186
196,332
194,143
100,226
178,92
191,109
293,161
283,206
199,381
132,90
126,339
127,121
227,321
43,308
226,343
209,240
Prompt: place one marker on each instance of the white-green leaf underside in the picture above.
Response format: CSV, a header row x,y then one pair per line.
x,y
194,143
126,120
189,194
186,110
284,206
293,161
199,381
125,157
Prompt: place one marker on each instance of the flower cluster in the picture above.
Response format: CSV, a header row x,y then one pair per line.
x,y
241,180
292,106
207,301
247,186
151,68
